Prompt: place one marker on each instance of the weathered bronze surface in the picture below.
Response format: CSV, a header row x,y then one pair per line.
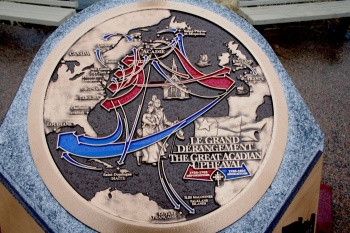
x,y
150,116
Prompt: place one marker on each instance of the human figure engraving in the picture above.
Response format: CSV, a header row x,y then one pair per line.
x,y
149,127
153,121
140,154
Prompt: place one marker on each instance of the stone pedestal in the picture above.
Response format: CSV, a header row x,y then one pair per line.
x,y
196,108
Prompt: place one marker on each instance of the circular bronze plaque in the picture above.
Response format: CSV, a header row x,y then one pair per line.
x,y
150,116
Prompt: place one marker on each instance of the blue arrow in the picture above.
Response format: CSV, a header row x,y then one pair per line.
x,y
175,204
190,210
181,44
104,140
69,141
99,56
235,172
128,141
160,71
107,36
171,44
128,38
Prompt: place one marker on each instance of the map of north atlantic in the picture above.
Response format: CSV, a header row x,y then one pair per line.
x,y
160,112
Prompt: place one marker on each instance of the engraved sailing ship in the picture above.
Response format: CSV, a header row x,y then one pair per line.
x,y
203,60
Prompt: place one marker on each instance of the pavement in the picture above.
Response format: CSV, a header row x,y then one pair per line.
x,y
317,63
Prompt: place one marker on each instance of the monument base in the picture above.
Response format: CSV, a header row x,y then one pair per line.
x,y
299,216
249,146
13,217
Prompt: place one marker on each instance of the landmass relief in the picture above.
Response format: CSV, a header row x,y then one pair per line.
x,y
166,114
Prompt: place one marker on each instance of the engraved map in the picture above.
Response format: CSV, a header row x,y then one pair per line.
x,y
158,116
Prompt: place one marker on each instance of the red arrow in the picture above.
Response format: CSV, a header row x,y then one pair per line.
x,y
214,80
126,97
198,174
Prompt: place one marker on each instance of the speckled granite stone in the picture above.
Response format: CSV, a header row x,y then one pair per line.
x,y
18,172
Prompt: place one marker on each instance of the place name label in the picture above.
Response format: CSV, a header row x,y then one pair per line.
x,y
116,176
189,32
105,45
152,51
92,79
167,215
112,61
59,124
88,97
79,53
99,71
253,79
199,200
79,110
96,88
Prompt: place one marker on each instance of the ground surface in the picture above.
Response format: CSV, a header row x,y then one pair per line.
x,y
319,66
